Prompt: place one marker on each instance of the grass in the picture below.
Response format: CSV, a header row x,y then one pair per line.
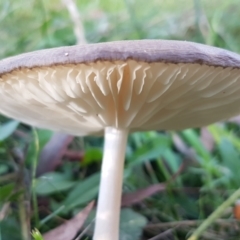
x,y
199,167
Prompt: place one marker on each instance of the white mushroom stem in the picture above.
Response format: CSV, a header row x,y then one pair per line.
x,y
109,199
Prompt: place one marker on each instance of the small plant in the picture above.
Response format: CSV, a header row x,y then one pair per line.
x,y
36,235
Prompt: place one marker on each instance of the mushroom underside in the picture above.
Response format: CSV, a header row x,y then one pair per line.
x,y
86,98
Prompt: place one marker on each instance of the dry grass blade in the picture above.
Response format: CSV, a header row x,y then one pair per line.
x,y
207,139
235,119
76,19
68,230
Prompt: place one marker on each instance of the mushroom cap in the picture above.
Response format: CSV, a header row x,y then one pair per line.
x,y
136,85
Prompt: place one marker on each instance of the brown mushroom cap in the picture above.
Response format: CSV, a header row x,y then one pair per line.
x,y
139,85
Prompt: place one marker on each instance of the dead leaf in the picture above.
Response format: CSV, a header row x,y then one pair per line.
x,y
74,155
4,211
180,145
235,119
139,195
189,153
52,153
69,229
129,199
207,139
180,170
236,210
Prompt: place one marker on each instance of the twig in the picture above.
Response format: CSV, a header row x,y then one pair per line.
x,y
79,237
189,223
76,19
8,177
164,235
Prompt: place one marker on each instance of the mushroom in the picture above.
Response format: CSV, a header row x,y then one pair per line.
x,y
116,88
